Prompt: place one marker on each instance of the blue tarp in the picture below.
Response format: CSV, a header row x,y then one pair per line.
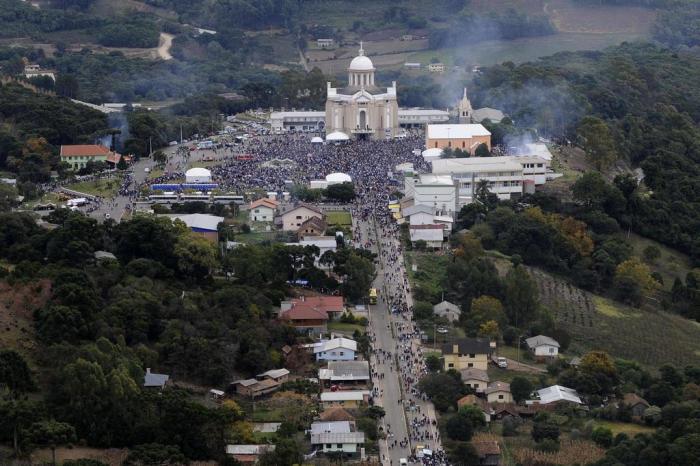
x,y
183,186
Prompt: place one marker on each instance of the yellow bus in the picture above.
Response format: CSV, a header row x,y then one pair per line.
x,y
373,296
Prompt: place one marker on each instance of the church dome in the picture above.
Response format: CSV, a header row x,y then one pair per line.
x,y
361,62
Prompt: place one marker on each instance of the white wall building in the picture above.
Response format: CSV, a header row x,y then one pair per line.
x,y
504,175
337,349
543,346
435,191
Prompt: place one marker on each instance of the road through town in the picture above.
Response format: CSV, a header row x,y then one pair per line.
x,y
397,360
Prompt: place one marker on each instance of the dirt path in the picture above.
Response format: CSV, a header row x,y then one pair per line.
x,y
166,41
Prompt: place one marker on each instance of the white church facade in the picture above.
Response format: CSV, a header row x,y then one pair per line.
x,y
362,110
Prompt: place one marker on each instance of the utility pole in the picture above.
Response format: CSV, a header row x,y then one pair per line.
x,y
150,146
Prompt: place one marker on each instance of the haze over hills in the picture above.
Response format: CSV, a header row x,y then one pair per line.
x,y
283,232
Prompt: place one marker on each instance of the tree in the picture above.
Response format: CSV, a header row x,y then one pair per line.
x,y
633,281
596,138
544,430
15,375
67,86
121,165
8,197
487,308
155,454
474,414
520,388
482,150
433,363
286,453
602,436
51,434
341,192
159,157
196,256
459,427
463,454
521,300
651,253
489,329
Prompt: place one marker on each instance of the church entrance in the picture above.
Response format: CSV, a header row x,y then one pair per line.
x,y
363,119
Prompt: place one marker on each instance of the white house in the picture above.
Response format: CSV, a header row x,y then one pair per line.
x,y
344,398
337,349
447,310
430,190
262,210
346,442
543,347
475,378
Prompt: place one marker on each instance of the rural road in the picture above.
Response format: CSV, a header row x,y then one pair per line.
x,y
164,45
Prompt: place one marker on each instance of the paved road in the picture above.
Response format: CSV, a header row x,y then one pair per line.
x,y
408,417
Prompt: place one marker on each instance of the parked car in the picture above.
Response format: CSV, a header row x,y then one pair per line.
x,y
502,362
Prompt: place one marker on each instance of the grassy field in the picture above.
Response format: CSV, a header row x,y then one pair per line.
x,y
625,427
344,327
670,265
104,188
338,217
430,274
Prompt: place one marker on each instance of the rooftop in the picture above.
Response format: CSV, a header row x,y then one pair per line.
x,y
344,437
274,373
540,340
464,131
558,393
151,379
199,221
497,387
475,164
331,427
336,343
474,374
84,150
468,346
345,395
348,370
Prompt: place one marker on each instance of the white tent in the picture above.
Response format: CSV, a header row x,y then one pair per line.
x,y
316,140
198,175
337,178
431,154
337,136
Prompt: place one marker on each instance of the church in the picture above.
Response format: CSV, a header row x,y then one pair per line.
x,y
362,110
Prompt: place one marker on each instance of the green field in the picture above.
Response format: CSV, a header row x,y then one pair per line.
x,y
427,281
338,217
344,327
625,427
104,188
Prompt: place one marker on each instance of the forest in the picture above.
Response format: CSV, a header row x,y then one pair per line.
x,y
639,102
164,303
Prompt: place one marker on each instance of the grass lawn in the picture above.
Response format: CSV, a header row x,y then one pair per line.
x,y
345,328
253,237
105,188
338,217
155,173
505,375
625,427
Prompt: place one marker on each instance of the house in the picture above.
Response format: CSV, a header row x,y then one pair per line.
x,y
498,392
488,451
467,353
473,400
248,454
306,319
345,372
419,214
336,436
153,380
323,243
556,394
336,414
543,347
487,113
436,67
311,313
502,410
344,442
278,375
337,349
204,225
447,310
324,44
432,235
476,379
262,210
349,399
78,155
314,226
295,217
255,388
637,404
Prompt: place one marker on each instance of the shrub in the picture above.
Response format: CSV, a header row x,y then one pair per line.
x,y
602,436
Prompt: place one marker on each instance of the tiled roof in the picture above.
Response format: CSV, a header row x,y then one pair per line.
x,y
83,150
